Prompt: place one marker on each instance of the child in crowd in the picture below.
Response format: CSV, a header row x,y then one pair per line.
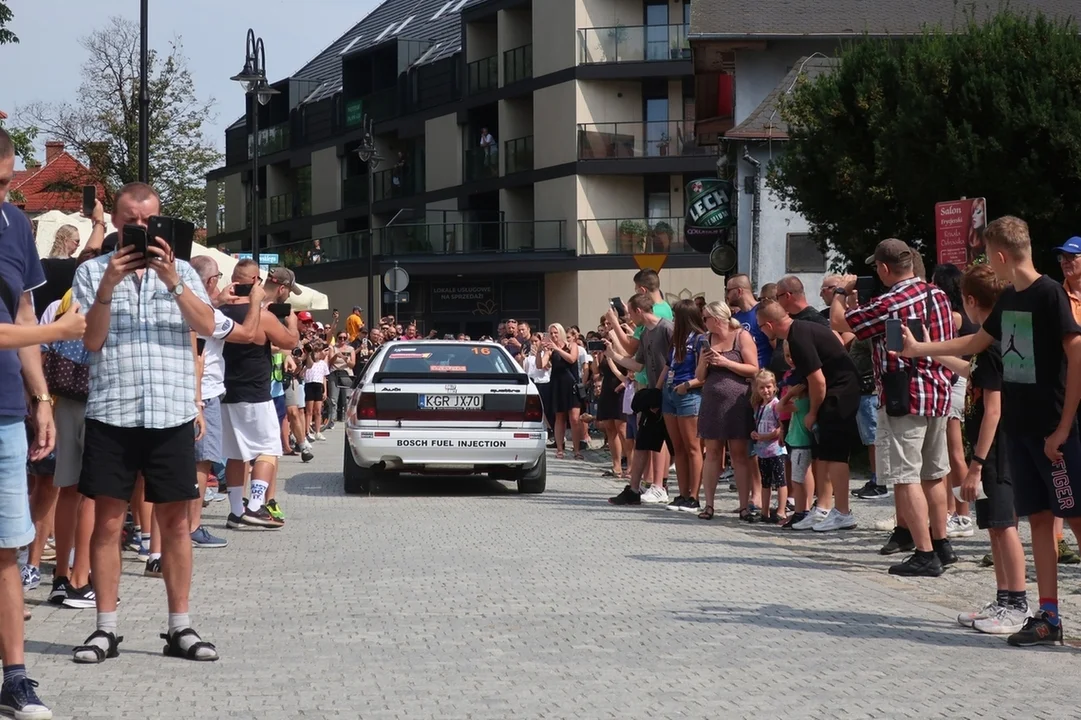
x,y
768,449
650,438
989,467
796,402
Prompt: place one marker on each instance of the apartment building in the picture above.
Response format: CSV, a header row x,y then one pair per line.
x,y
530,149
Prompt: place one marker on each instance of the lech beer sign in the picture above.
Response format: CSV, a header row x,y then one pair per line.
x,y
709,212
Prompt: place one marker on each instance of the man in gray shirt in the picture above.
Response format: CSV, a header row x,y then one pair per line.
x,y
652,355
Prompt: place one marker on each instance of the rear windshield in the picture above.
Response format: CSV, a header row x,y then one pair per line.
x,y
448,359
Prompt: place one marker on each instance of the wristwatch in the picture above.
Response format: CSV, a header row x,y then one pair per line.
x,y
45,398
839,291
178,290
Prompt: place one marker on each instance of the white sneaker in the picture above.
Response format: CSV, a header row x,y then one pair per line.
x,y
886,525
966,619
836,520
1003,621
320,436
959,526
814,517
655,495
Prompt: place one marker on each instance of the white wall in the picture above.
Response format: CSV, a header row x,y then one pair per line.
x,y
759,71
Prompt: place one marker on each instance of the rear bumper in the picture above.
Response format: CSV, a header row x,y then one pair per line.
x,y
421,450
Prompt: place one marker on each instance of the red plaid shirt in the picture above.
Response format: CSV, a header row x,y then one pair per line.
x,y
931,382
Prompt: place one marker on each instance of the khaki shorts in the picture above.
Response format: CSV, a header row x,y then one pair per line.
x,y
910,448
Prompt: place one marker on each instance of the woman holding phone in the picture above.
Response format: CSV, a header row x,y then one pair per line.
x,y
681,401
562,357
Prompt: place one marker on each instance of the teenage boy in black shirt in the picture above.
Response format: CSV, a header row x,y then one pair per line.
x,y
989,467
1039,339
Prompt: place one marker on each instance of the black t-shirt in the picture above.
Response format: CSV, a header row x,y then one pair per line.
x,y
986,377
815,347
247,366
777,364
1031,325
59,277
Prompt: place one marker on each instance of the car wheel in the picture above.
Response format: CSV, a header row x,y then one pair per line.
x,y
533,480
358,480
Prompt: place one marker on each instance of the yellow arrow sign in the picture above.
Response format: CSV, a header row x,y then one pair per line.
x,y
651,261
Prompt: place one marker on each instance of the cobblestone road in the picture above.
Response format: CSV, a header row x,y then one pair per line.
x,y
462,599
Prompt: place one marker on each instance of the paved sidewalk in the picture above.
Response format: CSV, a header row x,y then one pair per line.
x,y
454,598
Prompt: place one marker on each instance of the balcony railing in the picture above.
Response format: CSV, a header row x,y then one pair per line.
x,y
271,140
631,236
319,251
279,208
467,238
464,238
661,138
517,64
482,75
635,43
518,154
481,162
400,181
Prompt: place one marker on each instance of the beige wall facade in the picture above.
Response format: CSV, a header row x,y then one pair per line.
x,y
344,294
555,47
442,152
594,288
554,125
556,199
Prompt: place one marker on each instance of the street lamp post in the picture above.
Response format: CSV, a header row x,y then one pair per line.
x,y
371,159
144,95
258,92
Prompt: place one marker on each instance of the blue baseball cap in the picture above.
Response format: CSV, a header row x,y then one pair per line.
x,y
1072,246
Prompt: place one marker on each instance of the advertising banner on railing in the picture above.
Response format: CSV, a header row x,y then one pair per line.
x,y
709,212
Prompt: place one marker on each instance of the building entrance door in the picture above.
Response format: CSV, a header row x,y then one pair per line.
x,y
455,326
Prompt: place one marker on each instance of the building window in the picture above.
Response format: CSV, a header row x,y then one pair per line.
x,y
802,255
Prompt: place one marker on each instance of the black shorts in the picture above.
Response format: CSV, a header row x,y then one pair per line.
x,y
772,471
113,457
652,435
997,509
1039,485
313,392
835,438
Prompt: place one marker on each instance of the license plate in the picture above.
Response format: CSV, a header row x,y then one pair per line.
x,y
450,402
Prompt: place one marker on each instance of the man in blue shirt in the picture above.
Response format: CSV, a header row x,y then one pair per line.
x,y
740,298
20,374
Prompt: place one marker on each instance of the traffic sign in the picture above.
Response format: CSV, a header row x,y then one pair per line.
x,y
396,279
395,298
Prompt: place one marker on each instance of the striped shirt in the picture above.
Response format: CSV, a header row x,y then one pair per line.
x,y
144,374
930,383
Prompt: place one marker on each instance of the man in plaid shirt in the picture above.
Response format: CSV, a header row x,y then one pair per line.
x,y
141,414
911,447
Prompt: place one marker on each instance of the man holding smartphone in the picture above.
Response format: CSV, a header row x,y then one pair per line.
x,y
912,451
140,414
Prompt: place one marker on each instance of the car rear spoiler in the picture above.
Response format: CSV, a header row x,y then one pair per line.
x,y
450,378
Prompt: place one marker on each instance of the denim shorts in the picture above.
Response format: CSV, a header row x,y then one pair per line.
x,y
209,448
16,527
672,403
867,419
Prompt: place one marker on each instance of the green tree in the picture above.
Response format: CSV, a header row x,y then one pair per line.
x,y
994,111
6,36
102,125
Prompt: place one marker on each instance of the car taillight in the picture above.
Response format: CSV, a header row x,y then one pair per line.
x,y
366,406
533,410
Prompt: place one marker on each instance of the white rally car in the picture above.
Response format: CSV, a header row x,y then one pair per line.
x,y
444,407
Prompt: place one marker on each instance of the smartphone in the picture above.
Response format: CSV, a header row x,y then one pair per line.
x,y
279,310
200,345
618,306
866,287
894,338
90,196
178,233
243,290
915,326
135,236
595,346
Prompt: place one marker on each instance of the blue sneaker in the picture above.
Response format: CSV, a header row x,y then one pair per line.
x,y
143,552
19,700
202,538
31,577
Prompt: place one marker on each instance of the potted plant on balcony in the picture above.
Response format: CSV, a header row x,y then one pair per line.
x,y
663,142
632,237
662,237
